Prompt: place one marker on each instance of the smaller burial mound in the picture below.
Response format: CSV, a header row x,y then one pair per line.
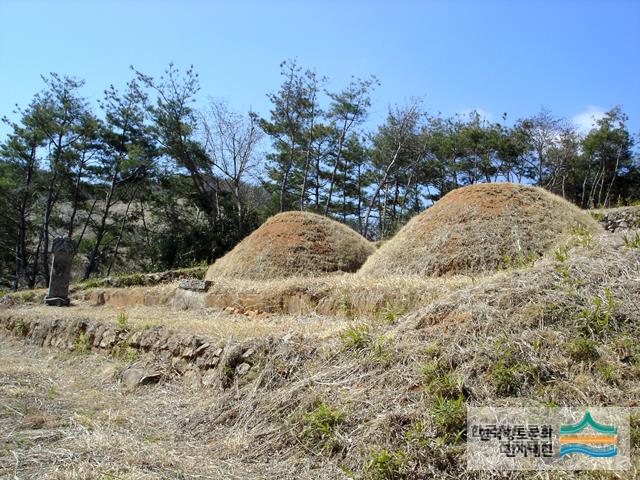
x,y
294,244
480,228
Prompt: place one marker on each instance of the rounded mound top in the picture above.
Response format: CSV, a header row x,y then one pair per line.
x,y
477,229
294,244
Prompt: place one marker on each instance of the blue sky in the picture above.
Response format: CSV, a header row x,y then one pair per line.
x,y
577,58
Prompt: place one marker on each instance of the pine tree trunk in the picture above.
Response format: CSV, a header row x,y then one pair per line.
x,y
101,229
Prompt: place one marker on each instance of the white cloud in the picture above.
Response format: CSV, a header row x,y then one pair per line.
x,y
586,119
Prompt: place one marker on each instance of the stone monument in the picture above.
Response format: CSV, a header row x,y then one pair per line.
x,y
62,249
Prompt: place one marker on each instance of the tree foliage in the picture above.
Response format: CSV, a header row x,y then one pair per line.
x,y
150,180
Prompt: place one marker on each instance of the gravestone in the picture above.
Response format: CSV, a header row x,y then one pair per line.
x,y
62,250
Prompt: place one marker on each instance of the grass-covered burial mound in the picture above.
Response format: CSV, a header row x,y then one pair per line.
x,y
480,228
294,244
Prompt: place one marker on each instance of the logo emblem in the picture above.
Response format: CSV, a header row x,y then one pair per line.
x,y
598,441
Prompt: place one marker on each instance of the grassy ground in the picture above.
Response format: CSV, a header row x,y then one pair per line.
x,y
377,397
63,416
211,323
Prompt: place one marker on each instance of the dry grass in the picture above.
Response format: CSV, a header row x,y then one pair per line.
x,y
373,399
478,229
590,292
344,295
294,244
400,391
348,295
211,323
633,209
309,306
63,416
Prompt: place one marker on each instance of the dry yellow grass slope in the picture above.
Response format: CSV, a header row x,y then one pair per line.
x,y
478,229
214,324
369,400
294,244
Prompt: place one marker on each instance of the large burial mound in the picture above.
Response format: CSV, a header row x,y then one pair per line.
x,y
480,228
294,244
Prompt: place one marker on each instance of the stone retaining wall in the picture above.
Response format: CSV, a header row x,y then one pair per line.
x,y
623,218
156,353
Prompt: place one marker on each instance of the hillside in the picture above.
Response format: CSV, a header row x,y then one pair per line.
x,y
321,387
320,240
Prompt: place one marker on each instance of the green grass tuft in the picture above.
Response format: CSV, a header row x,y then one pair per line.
x,y
507,373
320,427
582,350
632,242
583,235
450,419
562,253
386,465
355,337
441,381
124,352
596,320
122,321
390,313
506,378
82,345
21,328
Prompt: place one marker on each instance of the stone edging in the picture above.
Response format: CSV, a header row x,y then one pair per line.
x,y
173,353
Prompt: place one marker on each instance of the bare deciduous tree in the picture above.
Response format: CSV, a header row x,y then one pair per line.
x,y
231,140
392,139
543,132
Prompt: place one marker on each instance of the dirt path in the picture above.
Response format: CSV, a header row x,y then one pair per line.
x,y
65,416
